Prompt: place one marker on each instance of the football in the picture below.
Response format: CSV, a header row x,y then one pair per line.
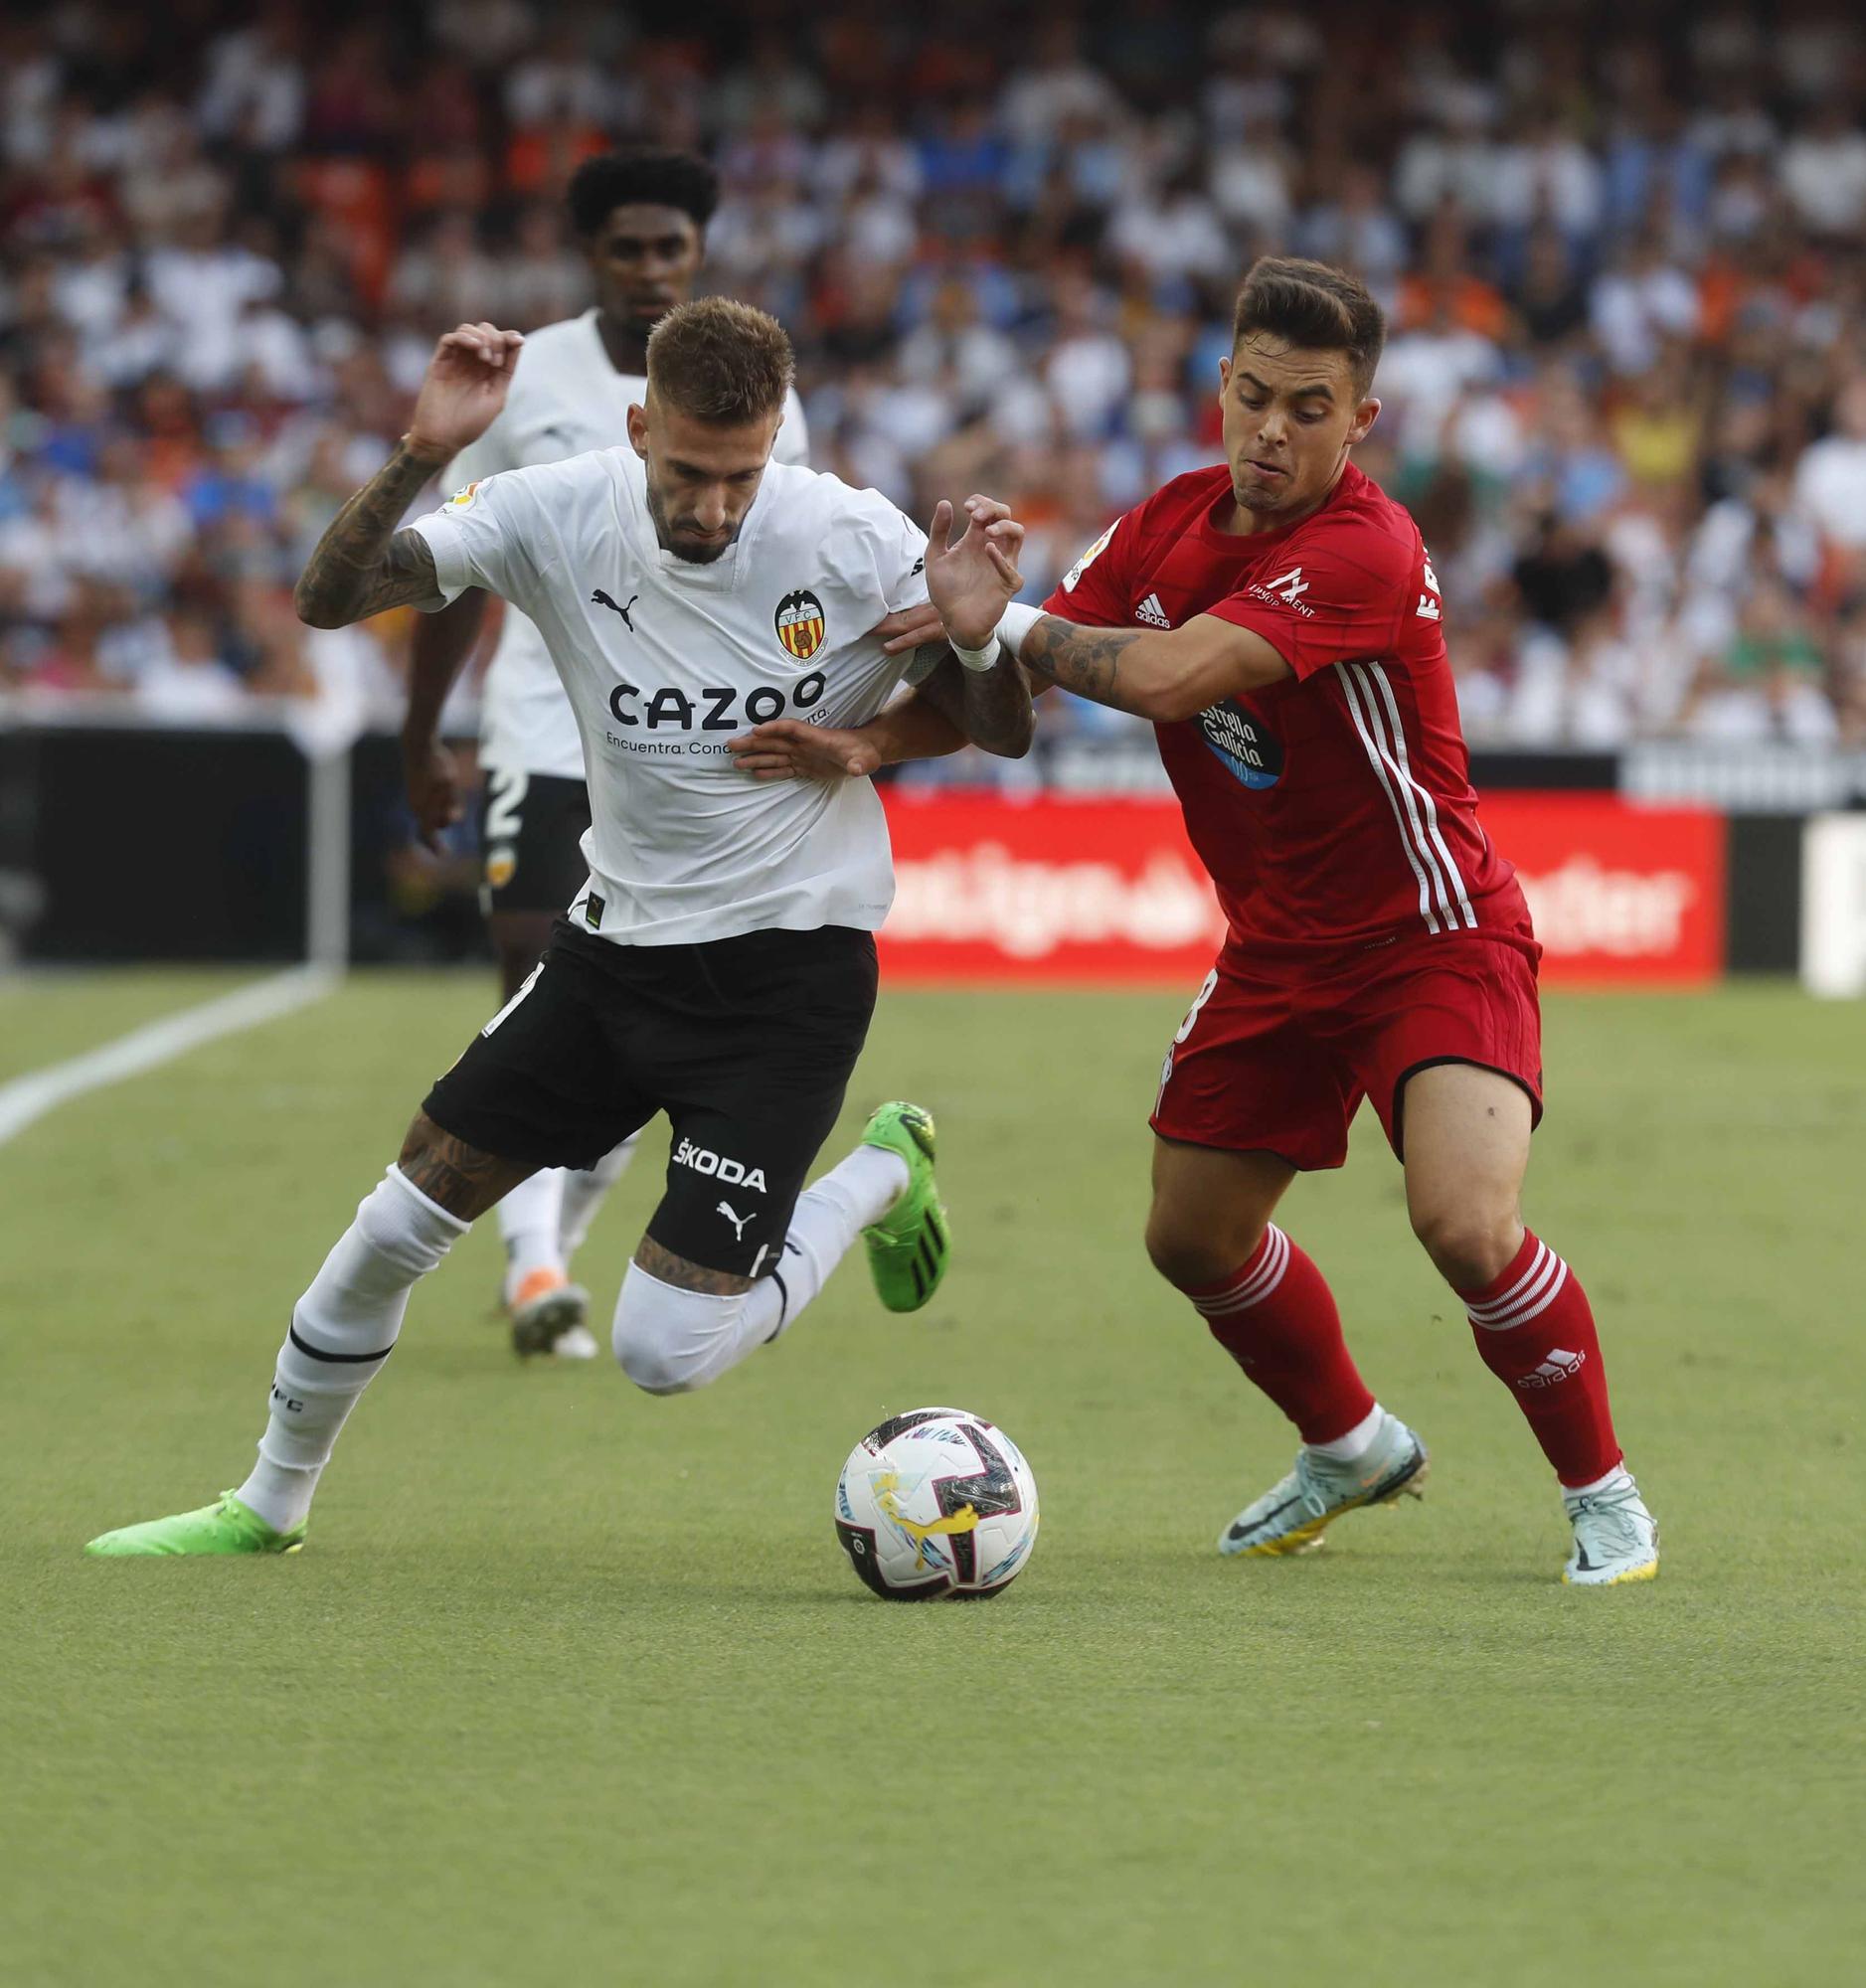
x,y
936,1503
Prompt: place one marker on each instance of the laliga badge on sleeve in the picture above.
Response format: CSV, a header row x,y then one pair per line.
x,y
1088,560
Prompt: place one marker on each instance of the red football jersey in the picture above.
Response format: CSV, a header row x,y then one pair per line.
x,y
1333,808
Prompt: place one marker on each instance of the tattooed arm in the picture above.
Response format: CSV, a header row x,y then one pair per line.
x,y
990,706
1161,674
363,564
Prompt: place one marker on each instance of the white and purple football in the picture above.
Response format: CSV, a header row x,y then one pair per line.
x,y
936,1503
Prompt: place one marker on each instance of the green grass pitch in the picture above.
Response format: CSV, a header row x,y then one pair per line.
x,y
573,1684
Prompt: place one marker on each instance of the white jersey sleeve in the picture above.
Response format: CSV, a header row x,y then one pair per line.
x,y
497,533
901,557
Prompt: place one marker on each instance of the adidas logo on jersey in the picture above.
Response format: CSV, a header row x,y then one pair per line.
x,y
1152,613
1559,1366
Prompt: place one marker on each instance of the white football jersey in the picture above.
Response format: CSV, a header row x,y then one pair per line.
x,y
565,397
664,661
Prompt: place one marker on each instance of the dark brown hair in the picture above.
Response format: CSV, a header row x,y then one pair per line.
x,y
1315,307
720,362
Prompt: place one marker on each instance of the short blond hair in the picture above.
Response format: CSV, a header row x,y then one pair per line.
x,y
720,362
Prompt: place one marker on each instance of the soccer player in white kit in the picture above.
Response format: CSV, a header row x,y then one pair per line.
x,y
641,217
719,961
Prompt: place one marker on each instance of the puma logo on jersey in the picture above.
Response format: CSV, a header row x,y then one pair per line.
x,y
1152,613
738,1221
617,606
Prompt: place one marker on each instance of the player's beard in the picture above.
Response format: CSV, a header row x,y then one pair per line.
x,y
668,537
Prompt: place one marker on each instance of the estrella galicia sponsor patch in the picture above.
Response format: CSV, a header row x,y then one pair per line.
x,y
1249,753
799,623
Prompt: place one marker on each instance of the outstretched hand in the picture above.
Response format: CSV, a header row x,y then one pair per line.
x,y
463,388
787,748
972,581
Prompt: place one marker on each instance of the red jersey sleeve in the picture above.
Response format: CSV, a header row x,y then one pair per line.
x,y
1095,592
1341,593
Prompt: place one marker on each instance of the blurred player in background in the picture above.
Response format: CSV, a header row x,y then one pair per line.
x,y
641,217
1289,649
718,963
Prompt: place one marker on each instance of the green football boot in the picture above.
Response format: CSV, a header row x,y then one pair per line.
x,y
227,1528
908,1247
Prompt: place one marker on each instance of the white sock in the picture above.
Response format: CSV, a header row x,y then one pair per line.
x,y
867,1183
342,1330
828,1219
529,1219
583,1189
1350,1449
671,1341
1616,1479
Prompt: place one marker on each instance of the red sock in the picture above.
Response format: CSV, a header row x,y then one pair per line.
x,y
1535,1330
1277,1318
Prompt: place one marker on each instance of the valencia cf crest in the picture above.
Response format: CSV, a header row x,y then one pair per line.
x,y
799,623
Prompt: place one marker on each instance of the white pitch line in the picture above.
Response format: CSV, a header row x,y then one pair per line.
x,y
28,1098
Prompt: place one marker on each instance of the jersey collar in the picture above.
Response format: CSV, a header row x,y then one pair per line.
x,y
724,573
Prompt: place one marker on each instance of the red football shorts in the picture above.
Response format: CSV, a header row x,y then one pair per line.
x,y
1279,1059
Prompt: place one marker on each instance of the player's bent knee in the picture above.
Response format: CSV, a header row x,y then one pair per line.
x,y
645,1356
1191,1259
650,1366
668,1341
1468,1247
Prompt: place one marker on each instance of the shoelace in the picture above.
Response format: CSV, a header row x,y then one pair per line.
x,y
1608,1516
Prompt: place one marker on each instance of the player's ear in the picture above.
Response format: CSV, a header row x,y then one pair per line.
x,y
1224,378
638,430
1365,416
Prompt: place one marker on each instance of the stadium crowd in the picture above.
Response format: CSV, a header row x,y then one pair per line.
x,y
1624,249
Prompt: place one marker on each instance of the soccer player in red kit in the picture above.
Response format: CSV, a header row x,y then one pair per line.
x,y
1278,618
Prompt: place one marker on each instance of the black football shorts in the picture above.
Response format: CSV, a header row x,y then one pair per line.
x,y
747,1044
531,828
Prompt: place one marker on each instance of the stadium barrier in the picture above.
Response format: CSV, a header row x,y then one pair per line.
x,y
274,843
1109,891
